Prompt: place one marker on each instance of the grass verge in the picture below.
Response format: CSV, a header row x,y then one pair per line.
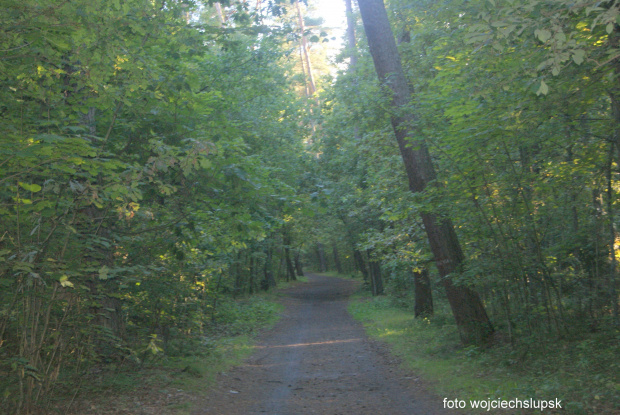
x,y
582,373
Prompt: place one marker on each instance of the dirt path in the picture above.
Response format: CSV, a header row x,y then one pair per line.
x,y
318,360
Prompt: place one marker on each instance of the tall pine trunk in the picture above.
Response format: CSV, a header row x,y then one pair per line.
x,y
471,317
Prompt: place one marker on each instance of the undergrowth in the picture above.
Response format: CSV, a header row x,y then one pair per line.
x,y
183,366
583,372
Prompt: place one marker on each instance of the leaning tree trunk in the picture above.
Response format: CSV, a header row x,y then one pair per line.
x,y
471,317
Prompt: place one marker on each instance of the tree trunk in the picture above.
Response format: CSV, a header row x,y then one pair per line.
x,y
298,267
361,266
615,113
268,280
290,269
337,263
220,15
423,294
251,274
306,55
471,317
376,279
238,275
321,254
351,36
612,232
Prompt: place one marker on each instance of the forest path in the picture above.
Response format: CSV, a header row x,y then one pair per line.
x,y
318,360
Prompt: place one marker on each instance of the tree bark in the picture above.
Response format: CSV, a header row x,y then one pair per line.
x,y
471,317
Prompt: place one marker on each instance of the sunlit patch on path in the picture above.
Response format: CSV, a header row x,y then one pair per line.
x,y
309,344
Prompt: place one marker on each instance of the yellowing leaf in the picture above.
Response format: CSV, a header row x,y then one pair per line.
x,y
64,281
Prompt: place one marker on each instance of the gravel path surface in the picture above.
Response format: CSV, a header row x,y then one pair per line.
x,y
318,360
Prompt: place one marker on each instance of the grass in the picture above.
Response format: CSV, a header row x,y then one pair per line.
x,y
283,285
582,373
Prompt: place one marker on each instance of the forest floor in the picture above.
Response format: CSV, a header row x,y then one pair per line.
x,y
318,360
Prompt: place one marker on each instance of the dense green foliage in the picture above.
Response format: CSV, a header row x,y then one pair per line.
x,y
517,102
148,164
156,163
528,173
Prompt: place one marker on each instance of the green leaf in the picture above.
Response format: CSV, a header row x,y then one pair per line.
x,y
103,273
544,89
30,187
542,34
578,56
